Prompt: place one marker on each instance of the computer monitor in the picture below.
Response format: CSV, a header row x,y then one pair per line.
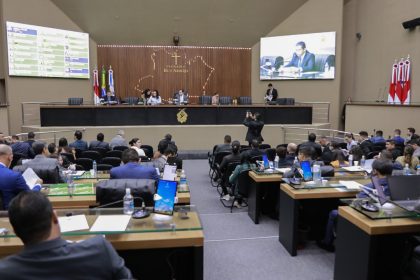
x,y
165,197
404,187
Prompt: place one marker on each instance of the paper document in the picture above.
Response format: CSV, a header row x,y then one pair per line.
x,y
283,170
30,177
78,173
169,172
111,223
73,223
353,168
351,185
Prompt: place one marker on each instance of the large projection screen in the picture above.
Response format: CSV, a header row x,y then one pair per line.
x,y
36,51
302,56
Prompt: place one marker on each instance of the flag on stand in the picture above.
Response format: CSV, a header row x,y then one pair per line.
x,y
399,85
111,80
393,83
406,90
103,83
96,96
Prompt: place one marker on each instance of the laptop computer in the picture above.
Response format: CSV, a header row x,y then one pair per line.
x,y
405,191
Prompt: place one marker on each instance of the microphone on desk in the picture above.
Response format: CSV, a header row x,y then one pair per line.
x,y
137,214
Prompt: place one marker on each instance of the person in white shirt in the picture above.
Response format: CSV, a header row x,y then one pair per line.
x,y
154,99
135,144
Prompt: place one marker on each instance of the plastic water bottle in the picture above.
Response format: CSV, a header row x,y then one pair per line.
x,y
128,202
350,160
316,170
418,169
363,161
276,163
183,180
406,170
296,162
95,169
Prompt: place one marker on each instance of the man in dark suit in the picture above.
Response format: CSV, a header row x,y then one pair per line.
x,y
99,142
46,254
365,144
181,98
20,147
311,143
131,168
226,146
271,94
11,182
255,126
302,60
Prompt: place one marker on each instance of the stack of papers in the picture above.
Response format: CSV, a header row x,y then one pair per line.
x,y
283,170
351,185
30,177
353,168
73,223
111,223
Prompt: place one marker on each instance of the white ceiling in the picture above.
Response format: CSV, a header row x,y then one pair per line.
x,y
235,23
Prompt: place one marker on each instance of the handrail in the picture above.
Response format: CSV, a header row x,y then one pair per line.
x,y
321,129
54,132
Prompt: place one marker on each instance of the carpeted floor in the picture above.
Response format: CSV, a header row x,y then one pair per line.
x,y
236,248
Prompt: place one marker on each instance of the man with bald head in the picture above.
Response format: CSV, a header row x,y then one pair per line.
x,y
11,182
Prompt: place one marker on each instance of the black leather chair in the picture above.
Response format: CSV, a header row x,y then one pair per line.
x,y
114,153
144,159
120,148
101,151
104,167
378,147
75,101
243,183
87,163
69,156
48,173
264,146
148,150
131,100
114,161
321,60
113,190
225,100
224,184
204,100
245,100
17,158
93,155
371,155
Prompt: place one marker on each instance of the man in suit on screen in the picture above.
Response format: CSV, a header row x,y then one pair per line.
x,y
302,60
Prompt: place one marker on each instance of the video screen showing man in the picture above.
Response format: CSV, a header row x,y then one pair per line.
x,y
302,60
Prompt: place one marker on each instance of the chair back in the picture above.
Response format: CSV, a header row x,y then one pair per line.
x,y
245,100
131,100
204,100
75,101
113,190
371,155
114,161
87,163
93,155
101,151
104,167
264,146
16,158
69,156
378,147
114,153
144,159
219,157
148,150
120,148
225,100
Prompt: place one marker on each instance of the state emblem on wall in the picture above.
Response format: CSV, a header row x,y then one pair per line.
x,y
182,116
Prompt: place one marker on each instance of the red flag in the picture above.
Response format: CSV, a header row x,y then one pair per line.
x,y
392,85
96,95
400,83
405,96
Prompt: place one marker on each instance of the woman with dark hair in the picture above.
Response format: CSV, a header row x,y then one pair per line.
x,y
408,158
63,147
233,179
135,144
338,159
154,99
235,156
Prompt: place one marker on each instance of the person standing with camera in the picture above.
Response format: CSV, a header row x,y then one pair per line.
x,y
255,126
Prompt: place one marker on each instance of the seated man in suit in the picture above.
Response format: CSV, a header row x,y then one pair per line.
x,y
131,168
181,97
302,60
11,182
79,143
226,146
46,254
364,143
380,168
99,142
311,143
42,163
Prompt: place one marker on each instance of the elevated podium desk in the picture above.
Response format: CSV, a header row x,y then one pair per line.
x,y
147,245
112,115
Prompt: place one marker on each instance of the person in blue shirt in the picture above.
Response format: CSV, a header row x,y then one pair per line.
x,y
397,137
11,182
380,168
378,138
21,147
79,143
132,169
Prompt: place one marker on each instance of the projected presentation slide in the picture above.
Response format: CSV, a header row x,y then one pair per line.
x,y
37,51
301,56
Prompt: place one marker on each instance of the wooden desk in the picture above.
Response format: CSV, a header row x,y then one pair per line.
x,y
258,182
291,200
370,249
144,246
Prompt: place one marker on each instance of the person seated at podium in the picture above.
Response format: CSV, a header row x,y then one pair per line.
x,y
132,169
215,99
110,98
302,60
181,98
46,255
154,99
